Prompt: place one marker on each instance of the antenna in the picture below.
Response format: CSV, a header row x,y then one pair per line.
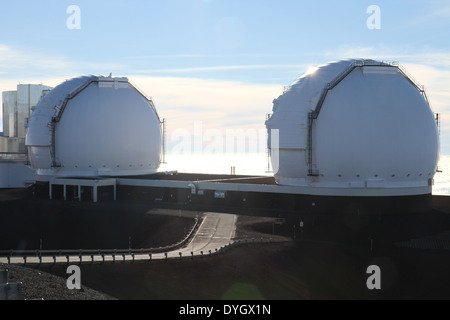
x,y
163,142
438,122
268,170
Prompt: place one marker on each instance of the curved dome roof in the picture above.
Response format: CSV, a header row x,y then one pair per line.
x,y
309,87
94,126
354,127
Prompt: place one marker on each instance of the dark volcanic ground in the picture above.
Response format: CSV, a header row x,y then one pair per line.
x,y
328,260
84,225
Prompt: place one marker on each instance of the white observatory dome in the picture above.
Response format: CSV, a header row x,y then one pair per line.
x,y
94,126
354,128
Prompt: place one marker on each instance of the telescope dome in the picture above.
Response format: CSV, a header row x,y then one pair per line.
x,y
354,128
94,126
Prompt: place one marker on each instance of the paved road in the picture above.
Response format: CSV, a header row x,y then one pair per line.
x,y
216,231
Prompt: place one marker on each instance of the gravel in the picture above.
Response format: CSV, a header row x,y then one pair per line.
x,y
40,285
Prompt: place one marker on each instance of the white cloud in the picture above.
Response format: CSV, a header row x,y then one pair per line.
x,y
14,60
219,104
15,63
219,68
440,14
182,101
222,104
209,107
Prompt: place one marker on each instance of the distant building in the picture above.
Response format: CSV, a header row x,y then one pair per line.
x,y
16,112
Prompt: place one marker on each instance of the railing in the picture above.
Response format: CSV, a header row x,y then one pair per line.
x,y
149,99
134,253
60,109
13,156
100,252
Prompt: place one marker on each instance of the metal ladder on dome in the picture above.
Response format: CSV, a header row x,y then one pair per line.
x,y
314,114
329,86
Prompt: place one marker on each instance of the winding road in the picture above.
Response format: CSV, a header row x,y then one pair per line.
x,y
216,231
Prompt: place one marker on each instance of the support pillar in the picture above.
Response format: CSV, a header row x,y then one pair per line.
x,y
94,189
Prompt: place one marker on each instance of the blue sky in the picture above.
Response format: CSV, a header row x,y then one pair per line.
x,y
221,61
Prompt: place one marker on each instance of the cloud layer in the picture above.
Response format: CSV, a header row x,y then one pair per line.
x,y
184,99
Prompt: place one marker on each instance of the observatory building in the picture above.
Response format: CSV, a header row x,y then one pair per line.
x,y
354,128
94,126
17,107
351,136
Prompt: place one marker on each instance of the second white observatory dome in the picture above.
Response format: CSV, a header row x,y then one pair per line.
x,y
354,128
94,126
